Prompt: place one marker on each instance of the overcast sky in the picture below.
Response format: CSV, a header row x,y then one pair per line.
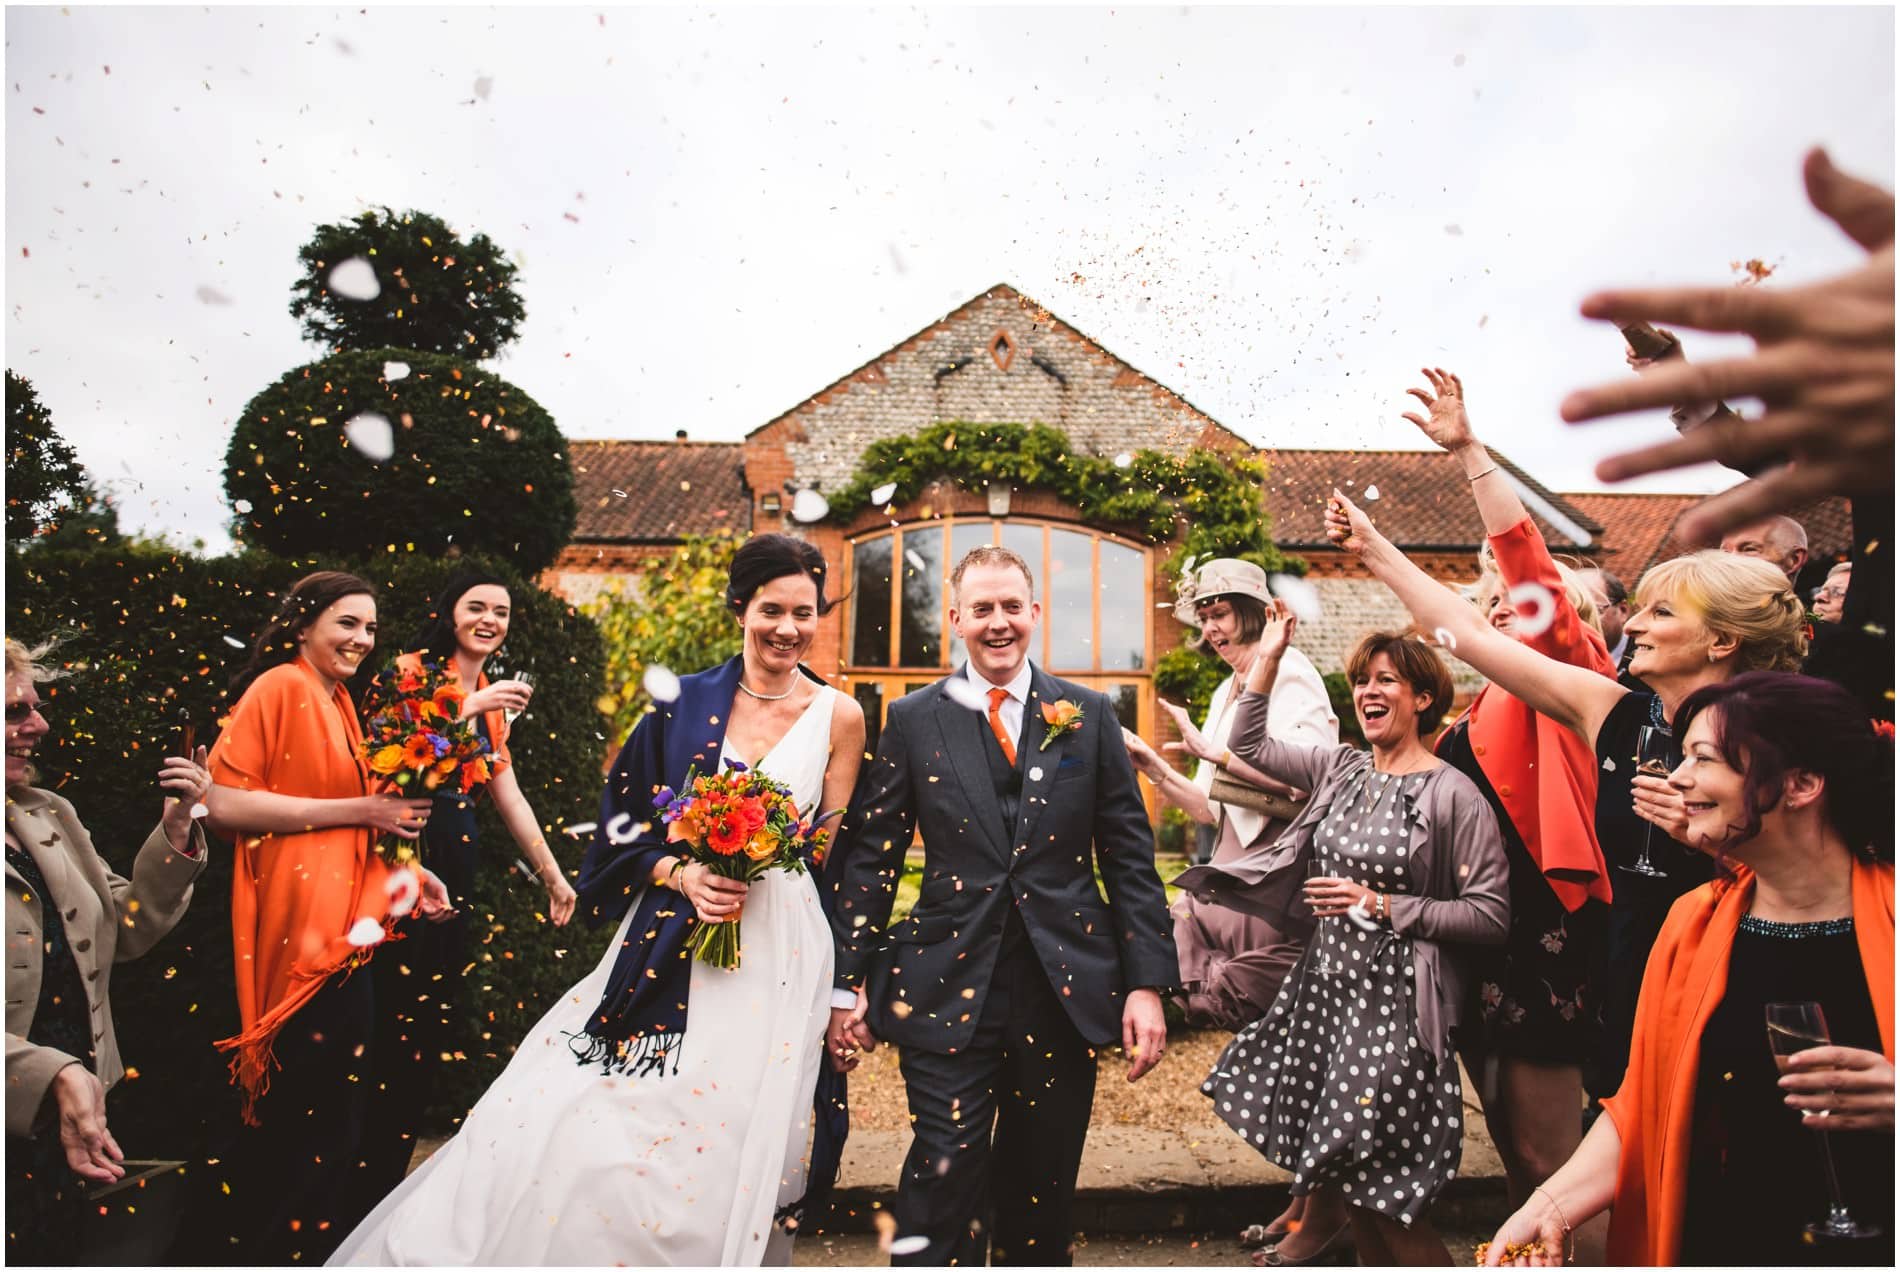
x,y
1278,213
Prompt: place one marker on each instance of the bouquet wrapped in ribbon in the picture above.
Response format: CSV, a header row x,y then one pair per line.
x,y
416,739
739,824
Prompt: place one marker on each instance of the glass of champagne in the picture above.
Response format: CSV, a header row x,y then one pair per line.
x,y
1323,964
1794,1028
526,678
1652,760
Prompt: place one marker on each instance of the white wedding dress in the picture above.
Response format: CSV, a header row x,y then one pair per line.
x,y
560,1164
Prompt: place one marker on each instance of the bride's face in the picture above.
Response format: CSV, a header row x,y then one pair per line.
x,y
779,623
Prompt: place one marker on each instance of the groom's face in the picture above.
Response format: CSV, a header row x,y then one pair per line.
x,y
995,615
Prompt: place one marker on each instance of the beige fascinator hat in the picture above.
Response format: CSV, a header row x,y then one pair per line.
x,y
1223,576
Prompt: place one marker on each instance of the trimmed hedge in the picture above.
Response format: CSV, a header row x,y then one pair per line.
x,y
478,465
155,631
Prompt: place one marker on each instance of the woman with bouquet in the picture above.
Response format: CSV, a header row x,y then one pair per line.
x,y
418,978
310,899
659,1113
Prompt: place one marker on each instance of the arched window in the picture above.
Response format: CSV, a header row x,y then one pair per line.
x,y
1094,590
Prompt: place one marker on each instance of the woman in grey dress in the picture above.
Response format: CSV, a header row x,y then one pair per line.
x,y
1396,867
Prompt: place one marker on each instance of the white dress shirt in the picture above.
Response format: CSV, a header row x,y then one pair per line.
x,y
1011,715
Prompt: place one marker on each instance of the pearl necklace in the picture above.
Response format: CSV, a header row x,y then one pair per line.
x,y
769,697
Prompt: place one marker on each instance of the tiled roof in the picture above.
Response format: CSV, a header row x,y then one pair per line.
x,y
1640,529
658,492
1424,501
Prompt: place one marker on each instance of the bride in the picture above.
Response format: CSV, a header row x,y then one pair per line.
x,y
660,1112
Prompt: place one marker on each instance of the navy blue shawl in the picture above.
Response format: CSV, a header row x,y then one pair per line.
x,y
640,1022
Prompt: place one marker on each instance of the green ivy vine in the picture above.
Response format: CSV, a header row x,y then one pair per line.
x,y
1212,499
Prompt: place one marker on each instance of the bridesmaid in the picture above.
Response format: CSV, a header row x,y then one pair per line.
x,y
418,979
291,790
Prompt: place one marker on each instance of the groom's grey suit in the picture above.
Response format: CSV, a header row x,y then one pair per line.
x,y
1012,967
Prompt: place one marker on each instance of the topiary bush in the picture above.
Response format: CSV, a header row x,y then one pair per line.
x,y
157,631
464,461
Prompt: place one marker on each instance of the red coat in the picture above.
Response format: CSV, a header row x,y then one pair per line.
x,y
1545,775
1654,1110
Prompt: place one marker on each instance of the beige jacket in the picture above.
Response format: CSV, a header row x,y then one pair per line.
x,y
108,920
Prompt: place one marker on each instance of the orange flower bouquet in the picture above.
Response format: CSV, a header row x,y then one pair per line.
x,y
415,739
739,824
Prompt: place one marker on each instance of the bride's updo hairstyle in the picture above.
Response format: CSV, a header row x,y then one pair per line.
x,y
765,557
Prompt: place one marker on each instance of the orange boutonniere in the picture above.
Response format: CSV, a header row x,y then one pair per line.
x,y
1062,717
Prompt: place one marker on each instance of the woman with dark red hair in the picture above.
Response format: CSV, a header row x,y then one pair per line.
x,y
1707,1154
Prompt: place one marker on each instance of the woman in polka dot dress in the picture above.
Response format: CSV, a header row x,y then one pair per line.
x,y
1397,869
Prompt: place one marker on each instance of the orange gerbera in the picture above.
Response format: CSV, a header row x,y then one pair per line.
x,y
726,835
418,750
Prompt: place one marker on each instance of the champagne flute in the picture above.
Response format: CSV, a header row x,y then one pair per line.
x,y
1322,965
526,678
1652,756
1794,1028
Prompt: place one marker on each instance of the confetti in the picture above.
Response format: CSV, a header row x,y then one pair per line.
x,y
1124,459
962,691
393,371
1372,494
199,812
661,684
621,829
241,506
366,932
883,494
404,889
908,1245
1301,597
371,434
355,279
580,830
1444,637
809,506
234,642
1535,608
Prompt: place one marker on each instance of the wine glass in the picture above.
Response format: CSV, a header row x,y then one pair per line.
x,y
1793,1028
1653,755
1323,965
526,678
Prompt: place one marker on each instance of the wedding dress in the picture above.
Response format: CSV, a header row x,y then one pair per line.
x,y
560,1164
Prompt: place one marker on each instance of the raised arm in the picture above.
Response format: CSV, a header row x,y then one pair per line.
x,y
1449,426
1579,700
1296,764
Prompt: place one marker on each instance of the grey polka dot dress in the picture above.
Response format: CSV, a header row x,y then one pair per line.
x,y
1333,1083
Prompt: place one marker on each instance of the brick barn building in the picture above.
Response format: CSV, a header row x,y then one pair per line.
x,y
1003,358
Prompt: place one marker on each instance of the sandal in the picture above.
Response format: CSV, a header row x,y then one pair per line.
x,y
1340,1243
1256,1235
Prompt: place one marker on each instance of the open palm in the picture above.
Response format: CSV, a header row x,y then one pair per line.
x,y
1447,424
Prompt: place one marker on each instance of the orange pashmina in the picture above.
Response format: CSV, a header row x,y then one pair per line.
x,y
294,897
1654,1111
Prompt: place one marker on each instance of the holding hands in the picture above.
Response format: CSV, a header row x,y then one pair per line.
x,y
847,1035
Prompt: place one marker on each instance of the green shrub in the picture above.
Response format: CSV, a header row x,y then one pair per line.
x,y
1339,691
1189,679
154,631
477,464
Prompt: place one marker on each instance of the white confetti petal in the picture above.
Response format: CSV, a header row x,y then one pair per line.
x,y
961,691
199,812
366,932
809,506
917,562
234,642
1372,494
1444,637
241,505
1124,459
355,279
882,495
660,683
371,434
909,1245
1535,608
622,829
1301,597
580,830
393,371
404,889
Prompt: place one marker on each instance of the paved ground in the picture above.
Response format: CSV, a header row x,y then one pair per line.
x,y
1152,1249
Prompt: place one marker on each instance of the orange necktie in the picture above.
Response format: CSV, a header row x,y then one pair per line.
x,y
997,697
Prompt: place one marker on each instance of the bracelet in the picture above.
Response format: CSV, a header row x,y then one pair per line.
x,y
1569,1244
679,866
1226,757
1484,473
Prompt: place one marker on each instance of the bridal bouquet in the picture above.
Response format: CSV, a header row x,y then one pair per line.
x,y
739,824
415,737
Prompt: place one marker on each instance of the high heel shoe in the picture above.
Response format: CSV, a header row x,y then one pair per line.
x,y
1257,1235
1337,1244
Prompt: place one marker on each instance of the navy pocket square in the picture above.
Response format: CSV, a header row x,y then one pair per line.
x,y
1071,761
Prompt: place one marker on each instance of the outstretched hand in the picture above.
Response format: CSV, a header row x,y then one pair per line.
x,y
1193,742
1347,526
1823,368
1277,634
1446,423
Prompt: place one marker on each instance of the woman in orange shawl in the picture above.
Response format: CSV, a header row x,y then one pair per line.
x,y
309,900
1707,1155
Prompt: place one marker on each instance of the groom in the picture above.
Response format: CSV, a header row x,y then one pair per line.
x,y
1011,970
